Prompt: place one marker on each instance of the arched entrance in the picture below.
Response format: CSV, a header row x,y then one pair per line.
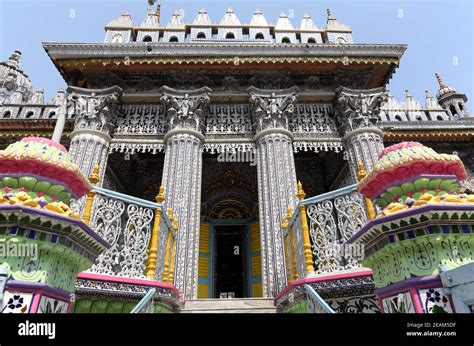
x,y
229,243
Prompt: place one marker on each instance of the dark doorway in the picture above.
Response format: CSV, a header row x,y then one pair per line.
x,y
229,274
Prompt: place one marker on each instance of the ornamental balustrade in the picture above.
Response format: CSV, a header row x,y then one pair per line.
x,y
331,219
141,234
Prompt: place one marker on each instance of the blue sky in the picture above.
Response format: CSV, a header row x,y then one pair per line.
x,y
439,33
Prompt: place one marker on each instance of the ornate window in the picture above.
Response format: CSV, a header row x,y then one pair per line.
x,y
312,40
230,36
285,40
453,110
259,36
174,39
201,35
117,38
341,40
147,38
229,210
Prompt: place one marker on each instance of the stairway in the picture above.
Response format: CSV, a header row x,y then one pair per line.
x,y
236,305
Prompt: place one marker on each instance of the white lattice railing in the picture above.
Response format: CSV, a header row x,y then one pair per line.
x,y
127,223
331,219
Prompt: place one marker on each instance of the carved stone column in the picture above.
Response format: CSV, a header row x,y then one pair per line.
x,y
357,115
277,185
94,111
182,178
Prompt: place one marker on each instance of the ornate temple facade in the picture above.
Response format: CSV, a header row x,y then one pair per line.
x,y
255,133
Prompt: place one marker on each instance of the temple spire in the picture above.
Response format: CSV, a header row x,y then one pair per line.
x,y
440,81
158,11
330,14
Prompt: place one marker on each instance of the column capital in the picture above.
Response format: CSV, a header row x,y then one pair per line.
x,y
356,109
272,108
185,108
93,109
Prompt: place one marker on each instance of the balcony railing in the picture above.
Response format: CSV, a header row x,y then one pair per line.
x,y
141,234
330,220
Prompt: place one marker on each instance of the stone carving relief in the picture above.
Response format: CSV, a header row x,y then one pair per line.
x,y
358,108
185,109
94,109
272,108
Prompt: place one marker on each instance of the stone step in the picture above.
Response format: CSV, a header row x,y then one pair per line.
x,y
237,305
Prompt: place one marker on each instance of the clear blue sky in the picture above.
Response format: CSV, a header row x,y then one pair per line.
x,y
439,33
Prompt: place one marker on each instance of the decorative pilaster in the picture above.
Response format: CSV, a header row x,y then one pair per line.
x,y
94,111
276,178
357,115
182,177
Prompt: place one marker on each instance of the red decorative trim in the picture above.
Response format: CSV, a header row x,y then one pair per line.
x,y
324,277
132,281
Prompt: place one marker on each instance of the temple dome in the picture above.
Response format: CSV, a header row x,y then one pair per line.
x,y
152,20
202,18
443,88
258,19
15,86
124,21
230,18
39,172
307,23
176,21
411,170
283,23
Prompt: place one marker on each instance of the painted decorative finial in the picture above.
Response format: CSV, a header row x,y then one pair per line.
x,y
440,81
288,213
362,173
160,197
329,13
94,178
301,194
158,10
170,214
175,225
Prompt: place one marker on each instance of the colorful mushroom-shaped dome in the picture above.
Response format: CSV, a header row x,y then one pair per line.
x,y
39,172
411,170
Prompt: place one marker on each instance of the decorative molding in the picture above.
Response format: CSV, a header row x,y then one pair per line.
x,y
357,109
93,108
185,108
272,108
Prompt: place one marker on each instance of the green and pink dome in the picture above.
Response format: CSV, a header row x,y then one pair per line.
x,y
410,170
39,172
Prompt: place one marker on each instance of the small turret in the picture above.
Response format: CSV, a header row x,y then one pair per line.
x,y
230,27
451,100
284,30
337,32
119,30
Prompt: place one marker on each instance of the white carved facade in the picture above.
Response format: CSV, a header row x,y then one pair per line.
x,y
159,122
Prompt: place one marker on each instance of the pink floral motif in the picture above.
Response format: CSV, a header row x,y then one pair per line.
x,y
399,146
391,174
46,141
